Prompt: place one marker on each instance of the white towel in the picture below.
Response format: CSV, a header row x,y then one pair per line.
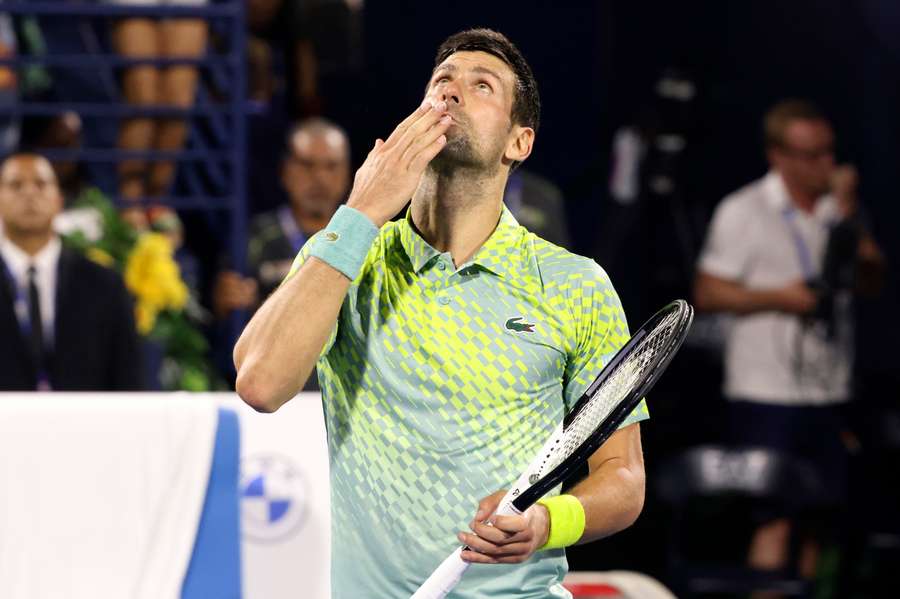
x,y
101,494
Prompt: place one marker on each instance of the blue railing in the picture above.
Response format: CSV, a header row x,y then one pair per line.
x,y
212,166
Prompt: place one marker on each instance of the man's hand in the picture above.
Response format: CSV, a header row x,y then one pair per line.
x,y
508,539
389,176
233,292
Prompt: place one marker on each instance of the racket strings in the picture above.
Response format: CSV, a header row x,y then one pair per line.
x,y
613,390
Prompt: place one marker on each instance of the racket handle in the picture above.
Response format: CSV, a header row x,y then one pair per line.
x,y
450,572
444,578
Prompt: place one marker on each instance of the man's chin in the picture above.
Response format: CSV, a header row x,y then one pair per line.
x,y
457,153
29,228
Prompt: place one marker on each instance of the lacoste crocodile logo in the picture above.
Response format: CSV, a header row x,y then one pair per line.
x,y
513,324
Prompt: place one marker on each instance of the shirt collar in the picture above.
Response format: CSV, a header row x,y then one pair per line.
x,y
777,192
18,261
493,255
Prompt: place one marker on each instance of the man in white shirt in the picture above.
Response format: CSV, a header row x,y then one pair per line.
x,y
66,323
789,352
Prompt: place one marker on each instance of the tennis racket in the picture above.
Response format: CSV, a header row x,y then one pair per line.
x,y
613,395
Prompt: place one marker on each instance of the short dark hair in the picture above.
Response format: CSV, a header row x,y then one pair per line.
x,y
526,107
780,116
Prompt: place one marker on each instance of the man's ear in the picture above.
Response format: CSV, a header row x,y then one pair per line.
x,y
520,144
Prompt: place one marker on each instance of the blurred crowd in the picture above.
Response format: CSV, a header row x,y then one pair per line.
x,y
774,276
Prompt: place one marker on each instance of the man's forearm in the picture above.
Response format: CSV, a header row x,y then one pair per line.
x,y
280,345
717,295
612,497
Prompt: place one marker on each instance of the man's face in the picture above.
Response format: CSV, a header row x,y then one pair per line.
x,y
29,195
478,89
317,172
806,157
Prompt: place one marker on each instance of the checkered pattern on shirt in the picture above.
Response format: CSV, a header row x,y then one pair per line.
x,y
432,402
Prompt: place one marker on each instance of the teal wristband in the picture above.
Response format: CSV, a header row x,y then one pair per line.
x,y
566,521
345,242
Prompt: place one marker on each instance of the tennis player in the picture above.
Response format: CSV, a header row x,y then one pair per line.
x,y
450,343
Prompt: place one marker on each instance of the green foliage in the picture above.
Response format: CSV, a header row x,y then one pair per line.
x,y
186,365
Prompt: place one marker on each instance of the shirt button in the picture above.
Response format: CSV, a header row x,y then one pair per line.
x,y
443,300
442,266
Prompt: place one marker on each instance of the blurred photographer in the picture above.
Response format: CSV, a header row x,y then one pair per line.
x,y
785,255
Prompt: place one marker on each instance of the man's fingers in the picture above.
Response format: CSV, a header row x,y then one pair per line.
x,y
421,126
425,141
421,160
510,524
498,535
513,554
489,533
378,143
488,505
481,545
420,112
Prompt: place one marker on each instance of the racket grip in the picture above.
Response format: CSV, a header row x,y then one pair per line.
x,y
450,572
444,578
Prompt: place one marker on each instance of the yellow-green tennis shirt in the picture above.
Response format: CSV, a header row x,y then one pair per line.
x,y
439,386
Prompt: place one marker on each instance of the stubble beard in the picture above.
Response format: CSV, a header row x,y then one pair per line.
x,y
460,154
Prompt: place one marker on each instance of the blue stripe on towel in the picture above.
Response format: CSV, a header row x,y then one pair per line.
x,y
215,568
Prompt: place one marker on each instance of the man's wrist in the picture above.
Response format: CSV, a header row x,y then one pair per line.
x,y
367,209
344,243
567,521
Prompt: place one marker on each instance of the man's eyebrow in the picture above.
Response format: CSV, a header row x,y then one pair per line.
x,y
444,67
487,71
477,69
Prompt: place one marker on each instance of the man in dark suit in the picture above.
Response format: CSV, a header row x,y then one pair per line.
x,y
66,323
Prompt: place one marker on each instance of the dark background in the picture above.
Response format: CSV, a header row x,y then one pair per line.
x,y
596,64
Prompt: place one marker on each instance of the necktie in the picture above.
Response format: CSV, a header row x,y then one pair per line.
x,y
36,325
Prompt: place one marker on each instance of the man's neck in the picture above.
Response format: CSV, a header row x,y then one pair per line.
x,y
309,223
30,243
457,211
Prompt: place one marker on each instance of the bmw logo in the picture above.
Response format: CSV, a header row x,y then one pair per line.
x,y
274,496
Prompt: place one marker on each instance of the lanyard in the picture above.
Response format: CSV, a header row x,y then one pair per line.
x,y
20,307
803,253
289,227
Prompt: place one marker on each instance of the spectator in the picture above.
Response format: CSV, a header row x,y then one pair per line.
x,y
149,85
321,43
66,323
315,174
788,356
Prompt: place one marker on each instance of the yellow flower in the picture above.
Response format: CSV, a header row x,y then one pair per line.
x,y
145,317
153,277
101,257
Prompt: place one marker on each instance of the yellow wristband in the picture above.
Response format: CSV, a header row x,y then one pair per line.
x,y
566,521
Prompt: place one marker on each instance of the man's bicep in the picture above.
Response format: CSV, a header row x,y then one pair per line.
x,y
601,330
726,252
624,445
